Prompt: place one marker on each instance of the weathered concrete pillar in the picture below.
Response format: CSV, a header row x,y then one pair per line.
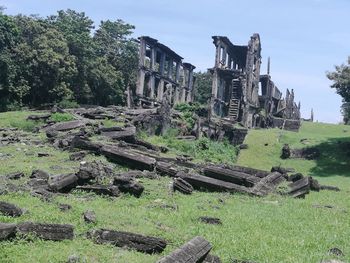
x,y
217,55
223,61
177,74
176,95
161,81
151,86
151,82
140,82
214,88
160,89
169,89
141,73
190,86
162,64
153,58
170,69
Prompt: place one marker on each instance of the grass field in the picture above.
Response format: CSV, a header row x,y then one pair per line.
x,y
271,229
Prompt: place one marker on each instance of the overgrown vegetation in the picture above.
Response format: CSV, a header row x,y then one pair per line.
x,y
188,113
202,150
64,59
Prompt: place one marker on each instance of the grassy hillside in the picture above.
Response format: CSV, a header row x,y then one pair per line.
x,y
272,229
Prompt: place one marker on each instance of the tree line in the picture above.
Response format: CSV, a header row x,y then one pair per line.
x,y
64,59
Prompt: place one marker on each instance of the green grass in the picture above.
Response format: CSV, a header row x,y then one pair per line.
x,y
271,229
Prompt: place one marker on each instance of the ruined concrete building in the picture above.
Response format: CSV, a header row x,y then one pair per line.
x,y
162,71
240,94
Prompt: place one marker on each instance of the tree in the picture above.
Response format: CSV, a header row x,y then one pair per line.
x,y
43,62
113,42
203,87
76,28
341,82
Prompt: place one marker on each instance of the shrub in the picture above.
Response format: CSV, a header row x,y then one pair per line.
x,y
59,117
68,103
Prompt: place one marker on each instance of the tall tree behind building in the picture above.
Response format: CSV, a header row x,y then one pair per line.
x,y
202,87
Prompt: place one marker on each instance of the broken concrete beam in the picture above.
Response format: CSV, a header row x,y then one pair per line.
x,y
182,186
300,188
9,209
15,176
248,170
128,185
150,146
231,176
7,231
211,259
138,174
267,184
330,188
295,177
110,129
127,134
166,169
86,144
66,126
129,158
100,189
193,251
211,184
314,185
93,170
55,232
38,183
39,174
145,244
39,117
63,183
210,220
78,156
42,193
44,154
98,116
282,170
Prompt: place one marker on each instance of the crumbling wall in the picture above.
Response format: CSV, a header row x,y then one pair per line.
x,y
241,94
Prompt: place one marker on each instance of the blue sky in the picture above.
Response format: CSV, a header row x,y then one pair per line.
x,y
304,38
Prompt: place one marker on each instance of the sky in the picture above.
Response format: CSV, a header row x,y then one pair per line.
x,y
303,38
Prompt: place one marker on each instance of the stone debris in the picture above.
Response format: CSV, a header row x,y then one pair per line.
x,y
182,186
89,216
55,232
210,220
195,250
141,243
9,209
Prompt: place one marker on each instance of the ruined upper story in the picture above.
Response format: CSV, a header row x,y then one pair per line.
x,y
161,67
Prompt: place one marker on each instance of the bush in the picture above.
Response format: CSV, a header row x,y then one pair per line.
x,y
59,117
68,103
